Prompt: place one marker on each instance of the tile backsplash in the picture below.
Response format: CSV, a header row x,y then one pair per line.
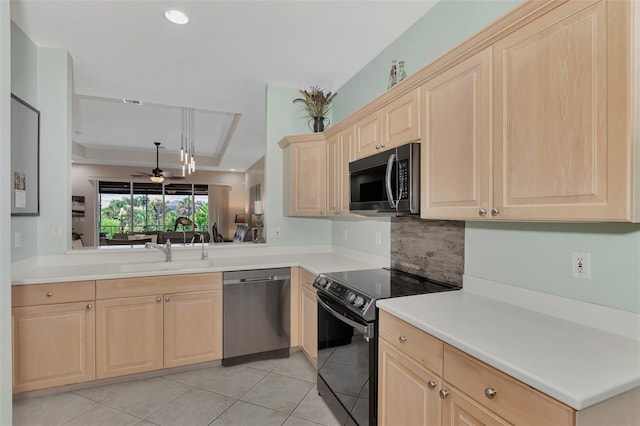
x,y
429,248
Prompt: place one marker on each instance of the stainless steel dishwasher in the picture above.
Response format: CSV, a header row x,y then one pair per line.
x,y
256,315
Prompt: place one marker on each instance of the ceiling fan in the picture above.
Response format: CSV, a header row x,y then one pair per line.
x,y
157,175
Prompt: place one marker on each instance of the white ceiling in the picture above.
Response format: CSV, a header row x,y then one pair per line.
x,y
219,64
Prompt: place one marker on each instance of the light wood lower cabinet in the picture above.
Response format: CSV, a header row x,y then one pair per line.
x,y
129,335
149,332
308,317
192,328
407,392
459,409
53,345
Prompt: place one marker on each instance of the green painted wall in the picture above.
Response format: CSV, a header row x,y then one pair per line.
x,y
445,25
43,77
5,215
536,256
24,84
283,119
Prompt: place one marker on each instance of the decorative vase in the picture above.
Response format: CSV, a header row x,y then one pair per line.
x,y
318,124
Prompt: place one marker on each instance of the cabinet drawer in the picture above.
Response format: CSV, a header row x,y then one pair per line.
x,y
422,347
49,294
513,400
306,279
165,284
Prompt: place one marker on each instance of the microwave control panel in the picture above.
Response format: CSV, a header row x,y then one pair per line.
x,y
403,179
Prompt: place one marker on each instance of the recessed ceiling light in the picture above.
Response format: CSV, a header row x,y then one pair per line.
x,y
176,16
232,170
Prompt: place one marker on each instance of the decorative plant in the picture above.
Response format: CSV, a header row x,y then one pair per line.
x,y
317,102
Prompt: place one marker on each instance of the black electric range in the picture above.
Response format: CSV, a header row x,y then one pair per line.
x,y
348,335
359,290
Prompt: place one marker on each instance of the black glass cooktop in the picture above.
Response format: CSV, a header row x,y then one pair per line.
x,y
384,283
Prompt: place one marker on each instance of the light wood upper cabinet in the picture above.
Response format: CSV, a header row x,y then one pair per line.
x,y
456,150
192,328
334,177
340,151
53,345
394,124
129,336
400,120
368,135
562,117
305,175
348,150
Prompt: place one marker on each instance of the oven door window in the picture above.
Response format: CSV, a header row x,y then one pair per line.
x,y
344,360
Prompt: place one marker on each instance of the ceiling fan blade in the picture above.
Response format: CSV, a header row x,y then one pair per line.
x,y
140,174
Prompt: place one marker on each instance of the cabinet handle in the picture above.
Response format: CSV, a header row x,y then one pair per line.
x,y
432,384
444,393
490,393
382,145
377,146
482,212
402,339
166,299
89,306
158,299
495,212
49,294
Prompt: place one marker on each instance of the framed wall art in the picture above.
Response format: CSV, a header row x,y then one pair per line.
x,y
25,158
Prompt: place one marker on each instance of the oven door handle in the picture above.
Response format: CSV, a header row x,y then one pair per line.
x,y
366,330
392,202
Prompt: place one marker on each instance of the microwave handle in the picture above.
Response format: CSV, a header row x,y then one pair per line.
x,y
392,202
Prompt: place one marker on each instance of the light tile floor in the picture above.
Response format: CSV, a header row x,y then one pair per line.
x,y
272,392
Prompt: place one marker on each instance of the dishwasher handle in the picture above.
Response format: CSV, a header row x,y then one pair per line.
x,y
256,280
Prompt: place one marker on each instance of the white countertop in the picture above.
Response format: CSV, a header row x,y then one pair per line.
x,y
576,363
92,265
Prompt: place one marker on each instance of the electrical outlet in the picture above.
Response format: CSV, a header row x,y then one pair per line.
x,y
378,238
56,231
345,235
581,265
275,232
17,240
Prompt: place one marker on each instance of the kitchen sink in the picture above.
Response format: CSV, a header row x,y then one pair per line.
x,y
164,266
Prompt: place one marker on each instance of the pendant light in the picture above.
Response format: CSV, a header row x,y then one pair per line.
x,y
187,141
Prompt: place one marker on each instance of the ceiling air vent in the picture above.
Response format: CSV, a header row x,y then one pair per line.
x,y
132,101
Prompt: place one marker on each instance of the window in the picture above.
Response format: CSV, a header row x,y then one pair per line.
x,y
141,206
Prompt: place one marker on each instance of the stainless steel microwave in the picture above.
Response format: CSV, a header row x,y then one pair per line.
x,y
387,183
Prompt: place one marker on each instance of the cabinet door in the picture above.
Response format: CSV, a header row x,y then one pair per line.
x,y
53,345
400,120
192,328
128,336
456,151
407,392
368,135
334,177
308,178
309,324
555,156
458,409
348,150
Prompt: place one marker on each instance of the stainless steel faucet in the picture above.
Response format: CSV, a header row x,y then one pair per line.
x,y
204,255
166,249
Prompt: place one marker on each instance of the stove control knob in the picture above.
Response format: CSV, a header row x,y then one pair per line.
x,y
328,284
322,282
359,302
351,297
